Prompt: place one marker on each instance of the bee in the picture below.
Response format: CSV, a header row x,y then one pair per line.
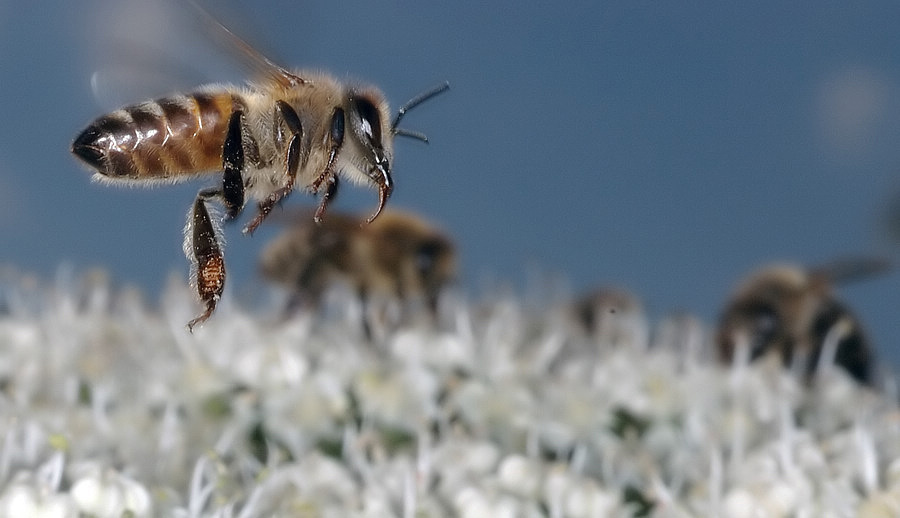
x,y
287,130
612,316
399,255
793,312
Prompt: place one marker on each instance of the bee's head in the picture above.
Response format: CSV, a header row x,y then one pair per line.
x,y
370,136
369,141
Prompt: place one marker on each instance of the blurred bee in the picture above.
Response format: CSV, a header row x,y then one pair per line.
x,y
288,130
612,316
792,312
398,255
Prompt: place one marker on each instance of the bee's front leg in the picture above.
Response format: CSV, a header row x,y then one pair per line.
x,y
291,164
331,187
336,140
203,246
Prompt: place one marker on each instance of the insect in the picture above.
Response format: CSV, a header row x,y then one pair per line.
x,y
792,312
612,316
287,130
399,255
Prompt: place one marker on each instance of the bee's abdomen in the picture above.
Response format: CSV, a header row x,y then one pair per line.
x,y
169,137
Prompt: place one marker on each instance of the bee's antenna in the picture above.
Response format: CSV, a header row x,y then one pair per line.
x,y
400,132
412,103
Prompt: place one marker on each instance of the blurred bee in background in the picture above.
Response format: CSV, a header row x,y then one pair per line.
x,y
593,324
287,130
399,256
792,312
611,316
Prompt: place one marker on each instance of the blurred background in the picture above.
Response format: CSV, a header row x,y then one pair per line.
x,y
667,149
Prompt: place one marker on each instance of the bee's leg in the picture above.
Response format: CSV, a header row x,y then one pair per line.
x,y
203,246
202,239
327,176
291,164
331,188
233,167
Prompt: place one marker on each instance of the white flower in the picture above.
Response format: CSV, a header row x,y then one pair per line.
x,y
109,408
520,475
106,493
22,499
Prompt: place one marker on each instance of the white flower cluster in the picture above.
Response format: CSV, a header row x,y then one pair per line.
x,y
111,409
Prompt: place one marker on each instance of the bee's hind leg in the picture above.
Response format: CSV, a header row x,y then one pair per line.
x,y
203,246
233,167
202,236
291,164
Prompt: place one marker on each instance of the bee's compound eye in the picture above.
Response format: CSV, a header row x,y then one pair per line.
x,y
366,121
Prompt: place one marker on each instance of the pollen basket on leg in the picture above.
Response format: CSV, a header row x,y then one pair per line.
x,y
203,238
203,247
202,231
211,277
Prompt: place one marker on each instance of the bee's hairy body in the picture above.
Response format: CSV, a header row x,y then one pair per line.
x,y
181,137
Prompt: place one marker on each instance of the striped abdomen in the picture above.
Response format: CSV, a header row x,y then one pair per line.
x,y
166,138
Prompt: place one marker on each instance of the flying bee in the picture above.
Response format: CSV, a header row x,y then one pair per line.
x,y
792,312
399,255
287,130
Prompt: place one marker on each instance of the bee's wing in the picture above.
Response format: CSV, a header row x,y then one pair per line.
x,y
146,75
135,50
847,269
255,60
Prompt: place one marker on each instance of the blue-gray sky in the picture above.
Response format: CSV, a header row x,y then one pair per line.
x,y
664,147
